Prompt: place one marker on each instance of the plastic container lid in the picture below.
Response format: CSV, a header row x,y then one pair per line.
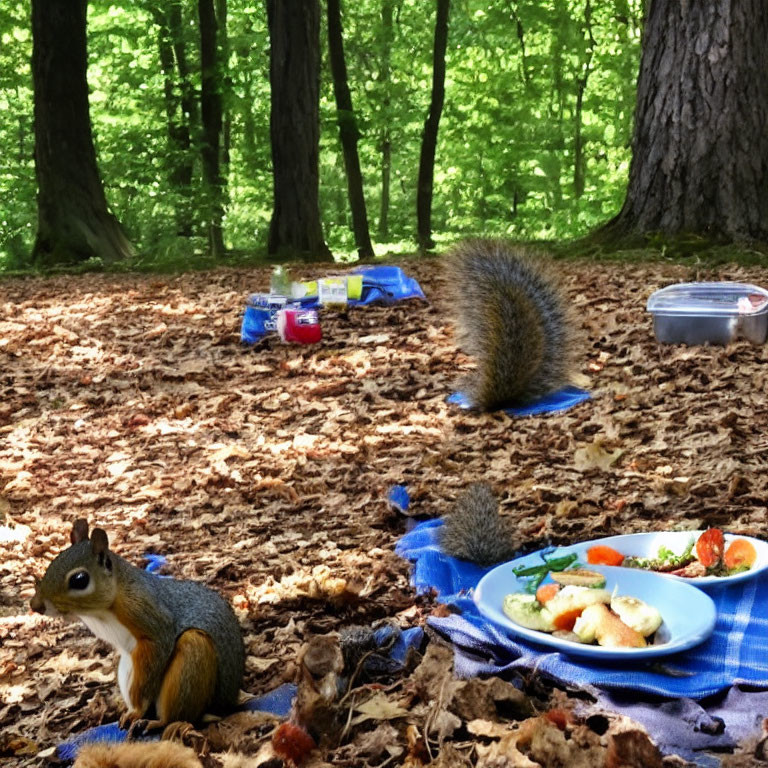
x,y
720,299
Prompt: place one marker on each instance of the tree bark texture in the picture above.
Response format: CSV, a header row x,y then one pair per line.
x,y
294,73
348,132
211,113
700,145
179,159
387,36
579,160
222,13
188,97
74,223
429,137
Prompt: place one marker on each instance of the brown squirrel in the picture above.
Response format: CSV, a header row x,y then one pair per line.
x,y
180,645
512,317
474,530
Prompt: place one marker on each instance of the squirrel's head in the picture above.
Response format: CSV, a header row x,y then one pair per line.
x,y
81,579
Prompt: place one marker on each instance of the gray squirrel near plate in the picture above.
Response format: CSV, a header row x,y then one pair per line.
x,y
513,319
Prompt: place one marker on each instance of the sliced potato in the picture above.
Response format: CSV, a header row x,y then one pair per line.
x,y
598,623
574,599
528,612
578,577
635,613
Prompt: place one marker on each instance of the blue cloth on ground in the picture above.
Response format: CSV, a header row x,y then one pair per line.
x,y
399,498
384,284
554,402
111,733
404,640
736,653
685,727
277,702
154,562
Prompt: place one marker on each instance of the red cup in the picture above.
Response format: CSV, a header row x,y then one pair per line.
x,y
300,326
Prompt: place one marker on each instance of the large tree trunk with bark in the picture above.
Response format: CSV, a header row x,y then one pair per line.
x,y
210,110
700,146
74,223
294,73
429,138
348,132
387,37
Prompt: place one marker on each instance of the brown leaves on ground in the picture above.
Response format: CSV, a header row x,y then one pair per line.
x,y
263,472
432,719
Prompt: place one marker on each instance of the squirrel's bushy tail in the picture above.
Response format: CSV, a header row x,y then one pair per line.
x,y
475,531
511,317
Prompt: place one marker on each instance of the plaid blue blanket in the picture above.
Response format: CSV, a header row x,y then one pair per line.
x,y
736,653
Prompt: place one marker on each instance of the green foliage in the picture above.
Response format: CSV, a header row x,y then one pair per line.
x,y
17,143
507,143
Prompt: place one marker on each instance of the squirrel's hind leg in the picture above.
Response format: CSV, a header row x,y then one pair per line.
x,y
189,680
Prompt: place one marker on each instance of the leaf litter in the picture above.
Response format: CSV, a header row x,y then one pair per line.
x,y
263,472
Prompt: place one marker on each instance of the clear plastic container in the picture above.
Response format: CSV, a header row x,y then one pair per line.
x,y
709,313
280,281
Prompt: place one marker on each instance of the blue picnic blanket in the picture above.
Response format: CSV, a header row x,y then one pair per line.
x,y
383,284
554,402
736,653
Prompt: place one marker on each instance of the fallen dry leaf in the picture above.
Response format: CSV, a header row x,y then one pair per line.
x,y
378,707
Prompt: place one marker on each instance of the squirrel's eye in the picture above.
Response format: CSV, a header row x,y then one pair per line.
x,y
79,580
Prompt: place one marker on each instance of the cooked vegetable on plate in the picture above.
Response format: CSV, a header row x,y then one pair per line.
x,y
706,556
585,614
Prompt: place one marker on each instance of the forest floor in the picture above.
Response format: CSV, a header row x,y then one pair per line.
x,y
264,471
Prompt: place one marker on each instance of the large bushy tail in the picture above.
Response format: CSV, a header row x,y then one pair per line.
x,y
512,318
475,531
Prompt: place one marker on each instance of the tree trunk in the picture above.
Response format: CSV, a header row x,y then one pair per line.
x,y
579,161
700,145
179,160
226,87
348,131
74,223
294,74
210,110
386,140
188,101
429,137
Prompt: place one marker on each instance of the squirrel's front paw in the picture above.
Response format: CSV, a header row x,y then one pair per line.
x,y
133,722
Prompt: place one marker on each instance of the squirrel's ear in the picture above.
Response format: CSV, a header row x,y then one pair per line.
x,y
79,531
99,543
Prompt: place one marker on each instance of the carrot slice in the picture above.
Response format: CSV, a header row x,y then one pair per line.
x,y
600,554
567,619
546,592
709,547
740,553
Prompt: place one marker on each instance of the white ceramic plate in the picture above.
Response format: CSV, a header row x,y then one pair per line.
x,y
688,613
647,545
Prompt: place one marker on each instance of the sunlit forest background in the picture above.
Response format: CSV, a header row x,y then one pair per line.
x,y
534,139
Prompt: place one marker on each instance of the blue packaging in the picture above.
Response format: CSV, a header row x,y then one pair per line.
x,y
261,315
